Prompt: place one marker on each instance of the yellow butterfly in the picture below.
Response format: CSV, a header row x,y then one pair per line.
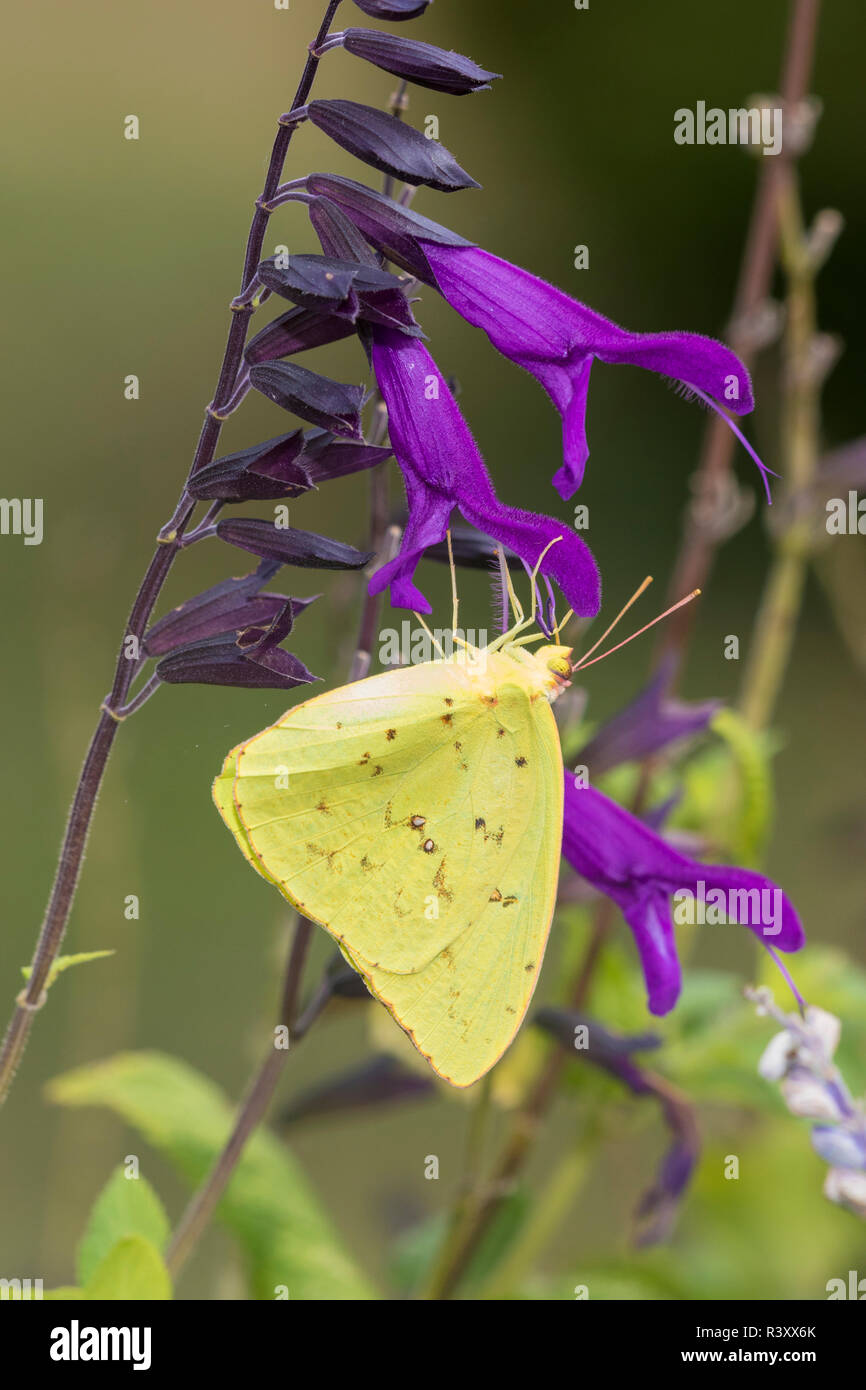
x,y
417,816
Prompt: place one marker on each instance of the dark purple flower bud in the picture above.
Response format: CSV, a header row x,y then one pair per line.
x,y
325,457
317,282
393,9
652,721
259,639
271,469
391,228
381,1081
226,607
421,63
337,234
331,404
221,661
296,331
290,547
389,145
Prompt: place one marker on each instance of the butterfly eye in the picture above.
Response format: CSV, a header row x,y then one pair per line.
x,y
560,666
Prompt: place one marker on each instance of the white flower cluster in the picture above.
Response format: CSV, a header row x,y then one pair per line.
x,y
800,1058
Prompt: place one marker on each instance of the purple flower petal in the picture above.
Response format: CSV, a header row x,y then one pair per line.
x,y
555,338
625,860
443,469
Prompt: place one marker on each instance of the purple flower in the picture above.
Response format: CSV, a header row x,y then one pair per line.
x,y
538,326
624,859
443,469
556,339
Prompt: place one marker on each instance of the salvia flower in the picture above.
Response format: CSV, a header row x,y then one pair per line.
x,y
443,469
800,1060
251,657
536,325
621,857
287,466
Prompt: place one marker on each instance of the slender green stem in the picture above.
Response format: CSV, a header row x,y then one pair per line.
x,y
781,601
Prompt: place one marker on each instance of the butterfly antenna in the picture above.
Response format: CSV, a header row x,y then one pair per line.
x,y
455,602
621,614
516,607
583,663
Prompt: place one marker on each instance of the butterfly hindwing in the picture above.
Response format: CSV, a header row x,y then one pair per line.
x,y
464,1008
416,815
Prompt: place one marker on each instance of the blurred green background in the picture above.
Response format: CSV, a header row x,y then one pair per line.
x,y
121,258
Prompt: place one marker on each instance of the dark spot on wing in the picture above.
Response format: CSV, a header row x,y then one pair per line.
x,y
366,865
530,965
495,896
417,822
480,823
459,747
506,902
448,700
491,700
428,846
388,816
362,762
500,732
376,770
324,807
447,718
339,725
390,734
521,762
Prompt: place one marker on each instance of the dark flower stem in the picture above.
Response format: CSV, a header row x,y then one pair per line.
x,y
117,705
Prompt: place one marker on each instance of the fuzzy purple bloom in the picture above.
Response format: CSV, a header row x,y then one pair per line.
x,y
536,325
443,469
624,859
556,339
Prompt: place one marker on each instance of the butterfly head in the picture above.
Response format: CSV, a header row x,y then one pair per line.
x,y
555,667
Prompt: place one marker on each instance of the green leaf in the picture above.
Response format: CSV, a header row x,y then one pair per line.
x,y
269,1205
133,1270
124,1207
64,962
